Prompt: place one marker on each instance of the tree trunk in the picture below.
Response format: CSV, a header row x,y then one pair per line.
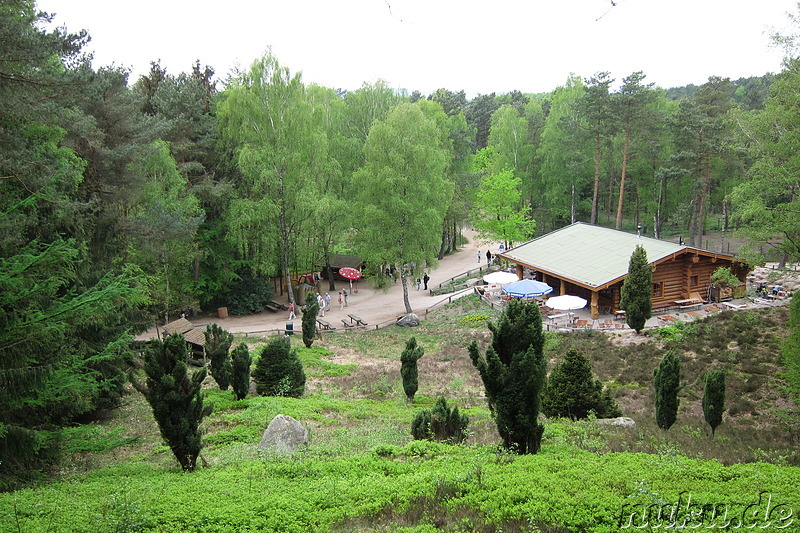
x,y
285,239
404,281
593,219
622,177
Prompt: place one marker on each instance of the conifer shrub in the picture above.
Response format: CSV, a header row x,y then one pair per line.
x,y
218,344
513,371
637,290
571,391
714,398
440,424
240,371
408,367
175,397
309,319
667,378
278,370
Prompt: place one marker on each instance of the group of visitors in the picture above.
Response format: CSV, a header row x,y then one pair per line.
x,y
324,303
488,256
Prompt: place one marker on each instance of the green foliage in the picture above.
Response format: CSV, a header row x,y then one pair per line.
x,y
441,424
790,349
240,371
723,277
513,373
278,370
218,344
408,367
636,291
474,320
572,391
714,398
247,294
499,214
316,366
176,398
667,377
309,319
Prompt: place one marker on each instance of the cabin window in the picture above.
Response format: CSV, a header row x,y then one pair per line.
x,y
658,289
693,281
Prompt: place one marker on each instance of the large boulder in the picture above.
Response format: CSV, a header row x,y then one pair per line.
x,y
284,435
622,421
409,320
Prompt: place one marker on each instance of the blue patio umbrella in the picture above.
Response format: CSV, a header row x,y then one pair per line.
x,y
527,288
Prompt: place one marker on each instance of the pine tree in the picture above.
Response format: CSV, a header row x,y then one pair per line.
x,y
240,371
714,399
279,371
667,379
408,367
572,391
440,424
218,343
175,397
309,319
637,289
513,373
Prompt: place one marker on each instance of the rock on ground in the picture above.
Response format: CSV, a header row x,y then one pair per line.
x,y
622,421
284,434
409,320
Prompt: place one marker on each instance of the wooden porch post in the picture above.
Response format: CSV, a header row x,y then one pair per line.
x,y
595,309
519,271
563,289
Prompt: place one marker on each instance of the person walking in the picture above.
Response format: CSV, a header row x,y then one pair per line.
x,y
321,304
425,280
488,257
344,293
327,302
419,284
341,301
479,256
291,311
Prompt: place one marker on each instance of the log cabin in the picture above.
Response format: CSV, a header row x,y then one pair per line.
x,y
592,262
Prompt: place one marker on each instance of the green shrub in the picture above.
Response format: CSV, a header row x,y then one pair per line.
x,y
279,371
714,398
240,371
247,294
408,367
309,319
572,392
440,424
218,344
667,379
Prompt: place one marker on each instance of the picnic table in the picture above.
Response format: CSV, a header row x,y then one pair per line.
x,y
357,321
688,303
324,324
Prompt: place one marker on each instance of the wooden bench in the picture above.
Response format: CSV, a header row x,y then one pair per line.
x,y
356,321
271,307
346,323
324,324
734,306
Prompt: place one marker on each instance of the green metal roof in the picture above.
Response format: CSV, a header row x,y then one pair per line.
x,y
589,255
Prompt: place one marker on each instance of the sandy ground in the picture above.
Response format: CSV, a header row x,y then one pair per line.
x,y
376,307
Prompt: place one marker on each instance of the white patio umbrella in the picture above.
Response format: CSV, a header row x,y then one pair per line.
x,y
567,302
500,278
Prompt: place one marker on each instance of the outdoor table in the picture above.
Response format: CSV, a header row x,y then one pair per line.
x,y
357,321
324,324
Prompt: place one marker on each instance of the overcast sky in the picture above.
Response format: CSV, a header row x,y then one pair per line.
x,y
476,46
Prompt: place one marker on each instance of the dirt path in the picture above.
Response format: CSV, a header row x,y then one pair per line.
x,y
373,306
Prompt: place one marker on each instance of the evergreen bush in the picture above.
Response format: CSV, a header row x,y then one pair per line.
x,y
218,344
408,367
240,371
278,370
175,397
667,379
637,290
714,398
440,424
513,373
247,294
309,319
571,391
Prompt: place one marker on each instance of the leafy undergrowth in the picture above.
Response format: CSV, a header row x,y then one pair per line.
x,y
362,471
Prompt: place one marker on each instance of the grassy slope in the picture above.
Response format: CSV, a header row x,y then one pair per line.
x,y
363,473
